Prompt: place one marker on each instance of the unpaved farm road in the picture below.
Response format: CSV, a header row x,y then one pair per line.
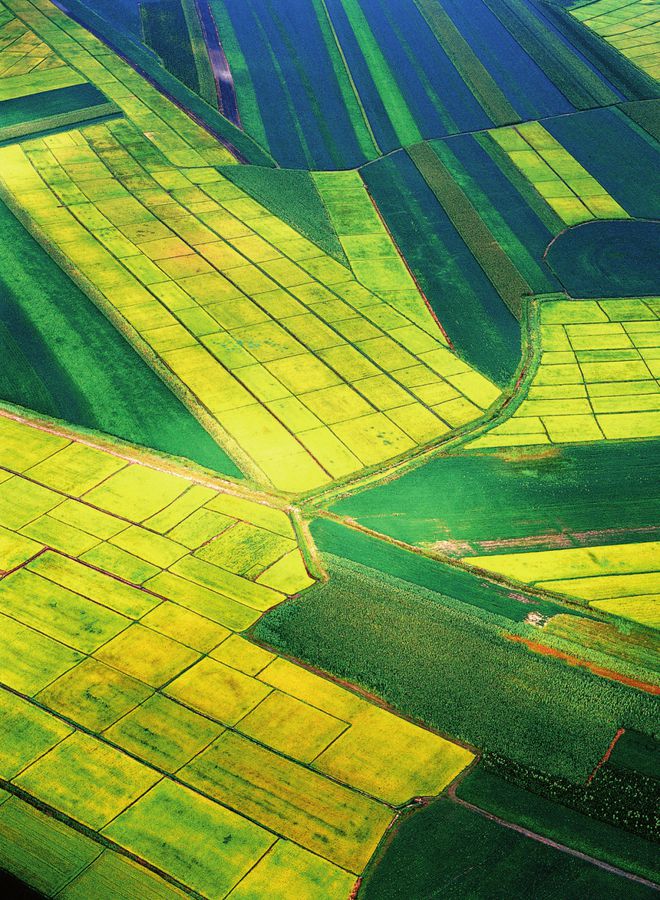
x,y
451,792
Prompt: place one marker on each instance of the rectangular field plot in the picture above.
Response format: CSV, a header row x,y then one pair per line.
x,y
164,826
293,764
322,816
63,777
632,28
565,185
196,282
597,377
621,579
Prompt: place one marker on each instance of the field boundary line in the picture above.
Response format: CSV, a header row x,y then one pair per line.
x,y
533,835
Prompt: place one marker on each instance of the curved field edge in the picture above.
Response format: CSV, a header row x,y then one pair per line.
x,y
504,407
607,259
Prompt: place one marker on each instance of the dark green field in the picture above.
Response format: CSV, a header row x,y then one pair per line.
x,y
446,850
437,661
537,492
487,789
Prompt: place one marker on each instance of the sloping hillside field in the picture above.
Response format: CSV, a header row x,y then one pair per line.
x,y
329,449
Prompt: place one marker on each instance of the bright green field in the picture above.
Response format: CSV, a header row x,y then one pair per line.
x,y
68,361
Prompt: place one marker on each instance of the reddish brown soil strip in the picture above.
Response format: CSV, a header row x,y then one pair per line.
x,y
356,888
224,81
556,541
607,753
585,664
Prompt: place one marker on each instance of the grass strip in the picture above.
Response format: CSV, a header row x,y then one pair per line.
x,y
248,105
205,79
505,277
240,142
356,113
394,102
469,67
577,82
64,121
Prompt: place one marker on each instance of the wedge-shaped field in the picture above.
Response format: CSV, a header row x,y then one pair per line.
x,y
121,666
298,369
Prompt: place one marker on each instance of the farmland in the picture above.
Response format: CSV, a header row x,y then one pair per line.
x,y
329,423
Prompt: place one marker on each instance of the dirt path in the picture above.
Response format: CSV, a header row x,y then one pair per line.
x,y
451,792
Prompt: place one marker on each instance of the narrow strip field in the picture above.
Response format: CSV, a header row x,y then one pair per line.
x,y
623,579
372,254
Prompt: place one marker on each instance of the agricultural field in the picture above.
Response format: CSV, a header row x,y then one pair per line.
x,y
329,449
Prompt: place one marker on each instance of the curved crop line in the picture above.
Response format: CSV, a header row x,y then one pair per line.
x,y
501,410
574,228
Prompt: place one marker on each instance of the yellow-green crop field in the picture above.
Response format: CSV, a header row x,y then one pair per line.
x,y
632,28
597,376
329,417
123,667
565,185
